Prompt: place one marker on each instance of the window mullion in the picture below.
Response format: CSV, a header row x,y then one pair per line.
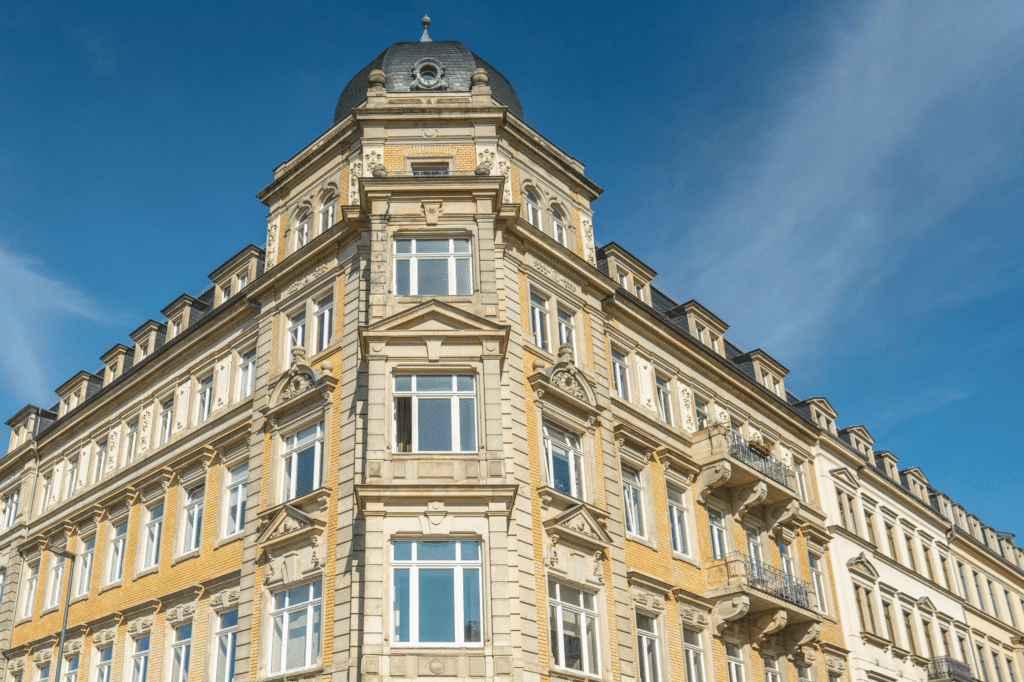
x,y
414,603
458,606
414,275
455,434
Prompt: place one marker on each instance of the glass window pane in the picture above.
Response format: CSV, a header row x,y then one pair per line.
x,y
472,631
296,654
466,383
470,551
432,277
314,648
437,605
432,246
305,475
467,424
402,615
434,383
403,382
463,281
229,619
561,478
276,645
435,424
403,551
592,645
645,623
570,595
461,245
402,277
572,640
553,626
436,551
675,496
403,246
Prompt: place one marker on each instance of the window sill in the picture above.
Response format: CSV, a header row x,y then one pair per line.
x,y
23,619
688,559
641,541
228,539
432,648
109,586
185,557
447,298
147,571
567,673
303,674
48,610
81,597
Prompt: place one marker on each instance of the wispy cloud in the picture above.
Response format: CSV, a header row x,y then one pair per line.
x,y
903,123
33,307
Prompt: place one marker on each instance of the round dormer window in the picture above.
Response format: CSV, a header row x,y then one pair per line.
x,y
427,74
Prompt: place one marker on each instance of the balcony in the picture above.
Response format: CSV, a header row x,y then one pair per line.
x,y
946,668
739,570
756,457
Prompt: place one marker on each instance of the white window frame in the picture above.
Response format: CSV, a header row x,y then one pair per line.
x,y
455,395
540,317
140,658
323,322
237,491
571,443
452,256
648,650
801,479
204,398
131,442
296,331
280,617
192,518
818,582
99,461
700,416
104,663
633,494
532,209
327,212
556,608
181,652
166,420
620,374
718,533
302,231
227,639
459,566
242,279
558,228
771,668
72,477
153,534
290,462
56,580
694,656
664,399
734,662
47,489
86,556
246,374
31,585
43,672
71,664
786,559
677,520
117,544
9,508
566,321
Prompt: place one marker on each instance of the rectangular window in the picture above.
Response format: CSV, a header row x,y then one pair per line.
x,y
243,278
929,571
771,669
140,658
435,413
154,532
131,442
436,593
71,669
734,661
887,614
166,420
647,648
85,559
869,524
929,645
573,628
429,169
433,267
69,489
117,551
181,653
302,232
99,461
620,374
803,673
664,401
237,487
539,320
801,480
227,632
693,652
638,290
677,521
566,328
44,504
981,662
193,528
963,581
633,494
324,321
701,408
105,658
1009,669
296,332
911,561
3,581
977,588
944,569
817,582
204,397
31,581
295,640
9,509
247,375
995,666
992,597
786,557
44,673
1009,609
908,623
890,535
56,581
716,524
564,459
302,462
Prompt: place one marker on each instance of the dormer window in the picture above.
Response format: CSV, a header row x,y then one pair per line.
x,y
638,290
623,279
326,213
175,328
532,209
558,226
772,383
243,280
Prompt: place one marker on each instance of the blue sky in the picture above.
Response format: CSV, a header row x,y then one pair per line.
x,y
840,182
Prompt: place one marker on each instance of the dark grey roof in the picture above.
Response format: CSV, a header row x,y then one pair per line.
x,y
397,62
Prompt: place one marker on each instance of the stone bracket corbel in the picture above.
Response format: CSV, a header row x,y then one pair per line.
x,y
727,611
747,497
712,477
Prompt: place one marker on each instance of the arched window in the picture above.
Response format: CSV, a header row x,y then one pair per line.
x,y
532,209
558,225
302,231
327,213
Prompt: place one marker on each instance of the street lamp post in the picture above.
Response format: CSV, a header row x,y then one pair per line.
x,y
70,556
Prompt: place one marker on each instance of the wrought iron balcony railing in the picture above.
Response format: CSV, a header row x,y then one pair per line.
x,y
765,578
946,668
766,464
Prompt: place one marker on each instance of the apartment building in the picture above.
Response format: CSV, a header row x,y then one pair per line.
x,y
431,429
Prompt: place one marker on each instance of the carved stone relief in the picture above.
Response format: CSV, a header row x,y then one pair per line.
x,y
355,171
271,255
224,599
140,625
588,242
686,406
308,278
181,613
144,422
504,168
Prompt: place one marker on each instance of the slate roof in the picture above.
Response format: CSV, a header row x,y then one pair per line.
x,y
398,60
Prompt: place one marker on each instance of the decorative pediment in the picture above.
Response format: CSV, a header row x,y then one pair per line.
x,y
182,613
434,323
846,476
224,599
925,604
862,567
140,626
288,524
565,377
579,526
303,381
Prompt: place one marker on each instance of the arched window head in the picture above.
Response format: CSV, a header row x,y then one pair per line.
x,y
302,231
532,209
327,213
558,225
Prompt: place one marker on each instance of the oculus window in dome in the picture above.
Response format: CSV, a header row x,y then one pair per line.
x,y
434,65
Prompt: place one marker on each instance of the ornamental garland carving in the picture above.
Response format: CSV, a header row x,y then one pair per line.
x,y
72,647
568,383
485,158
686,402
224,599
104,637
506,170
588,242
181,613
355,170
373,160
271,258
317,272
43,657
147,416
140,626
299,383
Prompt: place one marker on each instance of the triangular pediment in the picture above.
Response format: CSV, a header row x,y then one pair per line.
x,y
925,604
287,524
862,567
846,476
579,524
435,316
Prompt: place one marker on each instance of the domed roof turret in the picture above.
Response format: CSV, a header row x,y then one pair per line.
x,y
429,66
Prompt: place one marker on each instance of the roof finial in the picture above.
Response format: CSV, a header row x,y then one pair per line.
x,y
426,24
